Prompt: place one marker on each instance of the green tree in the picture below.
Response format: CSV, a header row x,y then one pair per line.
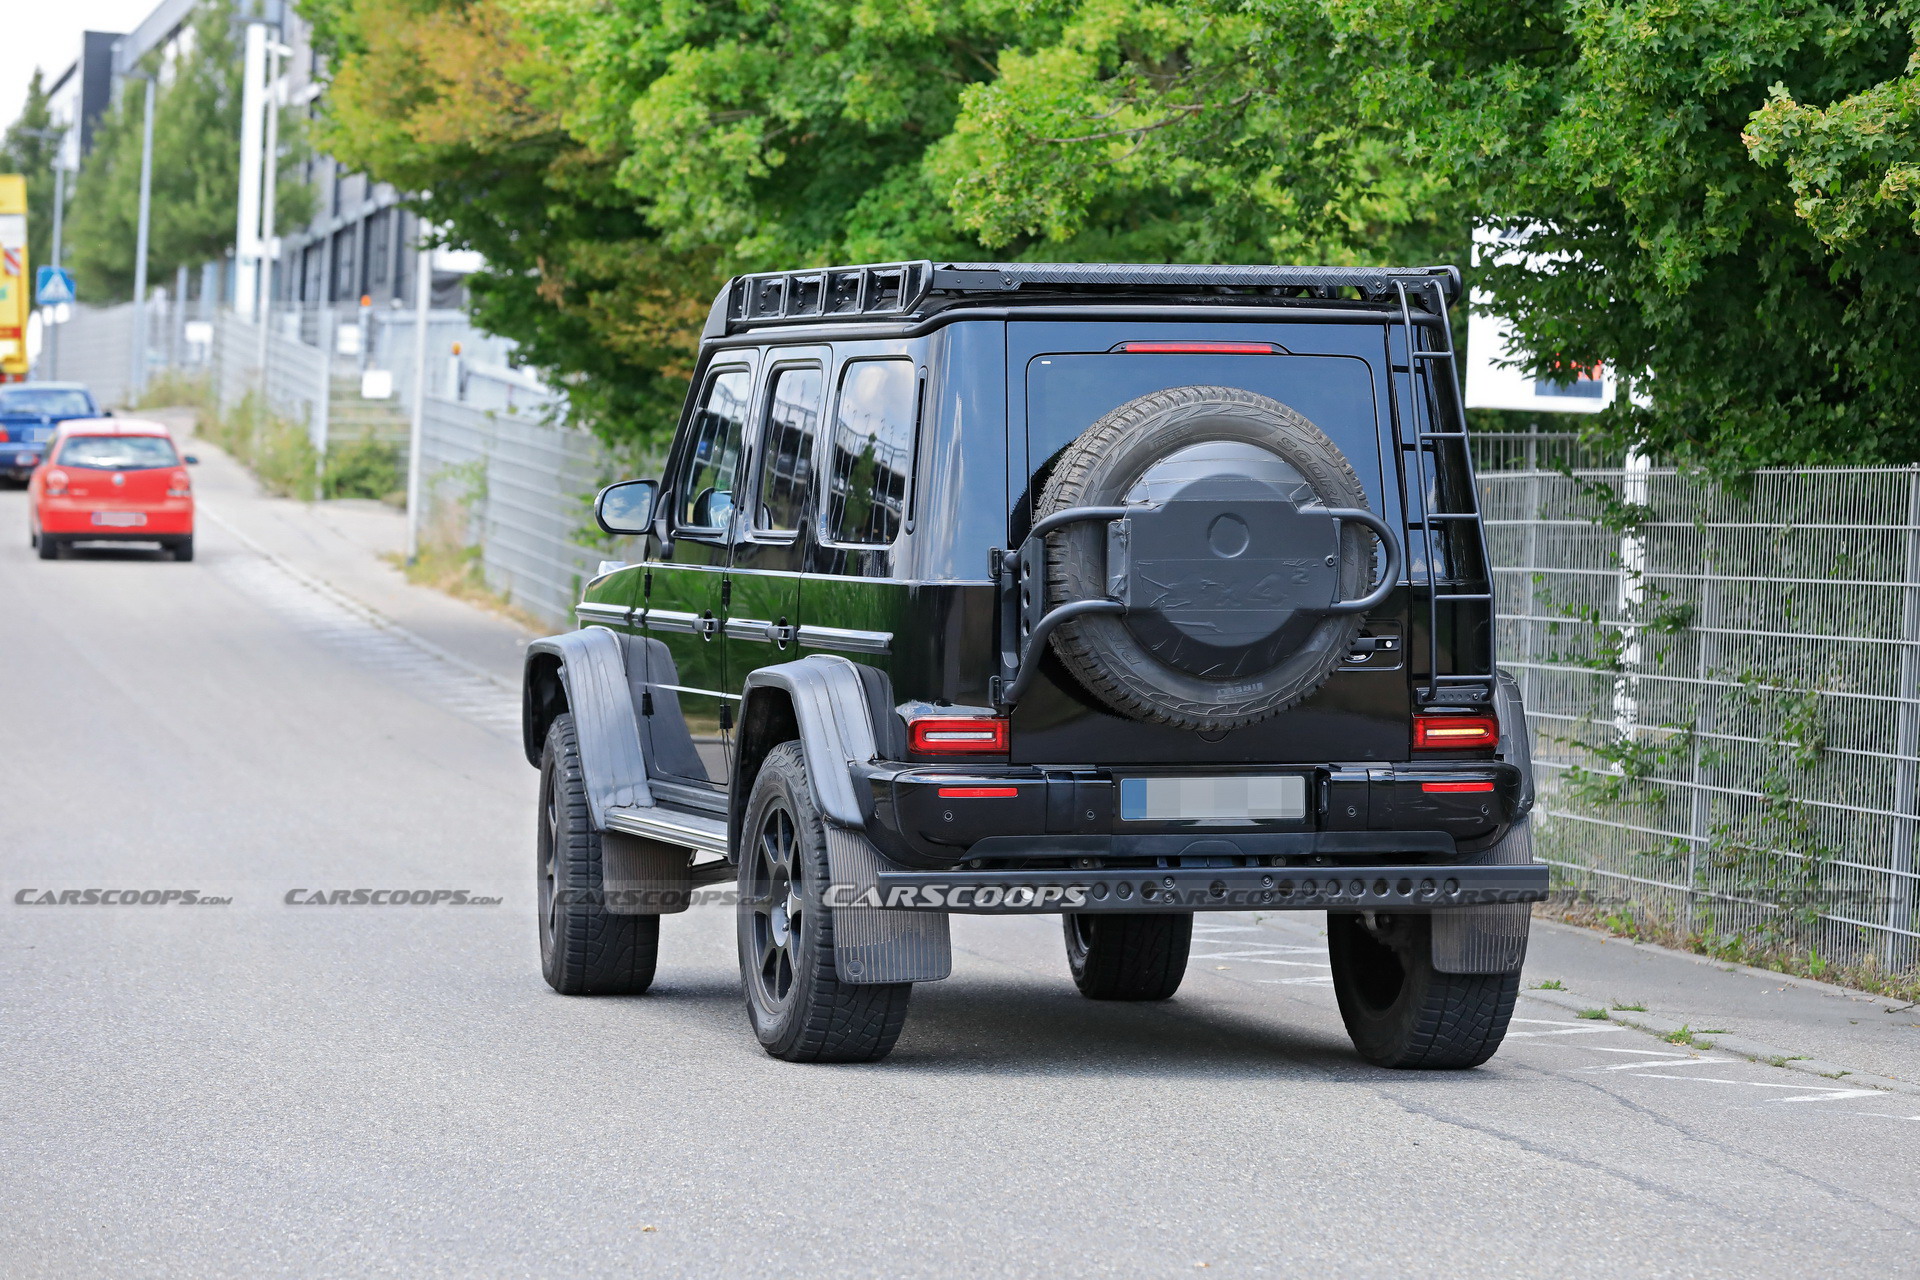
x,y
28,148
1608,133
196,166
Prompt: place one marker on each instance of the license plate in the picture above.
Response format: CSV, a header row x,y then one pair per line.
x,y
1243,799
120,519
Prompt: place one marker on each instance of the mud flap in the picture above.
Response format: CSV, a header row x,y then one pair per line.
x,y
642,877
873,944
1487,939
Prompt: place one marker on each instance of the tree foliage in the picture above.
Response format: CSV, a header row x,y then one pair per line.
x,y
1718,197
28,148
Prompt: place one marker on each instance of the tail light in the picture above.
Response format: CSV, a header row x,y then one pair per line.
x,y
57,483
957,735
181,485
1203,348
1447,788
1455,733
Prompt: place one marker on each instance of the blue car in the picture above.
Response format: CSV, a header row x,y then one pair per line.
x,y
29,413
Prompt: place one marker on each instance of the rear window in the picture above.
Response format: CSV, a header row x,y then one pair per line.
x,y
118,453
53,402
1068,393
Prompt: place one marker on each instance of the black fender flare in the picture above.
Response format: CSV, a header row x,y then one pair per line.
x,y
585,672
832,704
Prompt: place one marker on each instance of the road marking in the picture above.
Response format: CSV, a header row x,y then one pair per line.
x,y
1567,1031
321,612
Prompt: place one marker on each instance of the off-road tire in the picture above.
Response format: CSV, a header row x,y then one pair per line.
x,y
1098,469
182,548
585,950
1128,957
798,1007
1402,1012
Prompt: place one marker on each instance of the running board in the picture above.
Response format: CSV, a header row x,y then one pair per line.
x,y
689,830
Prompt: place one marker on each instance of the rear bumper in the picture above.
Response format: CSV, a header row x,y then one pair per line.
x,y
1442,810
167,520
1400,888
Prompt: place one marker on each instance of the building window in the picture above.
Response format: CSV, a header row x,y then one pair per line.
x,y
379,249
346,264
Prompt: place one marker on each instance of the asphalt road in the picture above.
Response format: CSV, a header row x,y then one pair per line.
x,y
253,1088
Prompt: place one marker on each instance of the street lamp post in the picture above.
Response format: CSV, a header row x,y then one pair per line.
x,y
269,189
138,381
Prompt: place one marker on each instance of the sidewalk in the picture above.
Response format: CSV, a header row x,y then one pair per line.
x,y
341,542
1791,1017
1748,1012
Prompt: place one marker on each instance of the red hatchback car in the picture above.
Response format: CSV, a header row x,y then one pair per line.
x,y
111,480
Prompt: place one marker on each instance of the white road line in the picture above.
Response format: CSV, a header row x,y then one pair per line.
x,y
376,645
1818,1094
1568,1031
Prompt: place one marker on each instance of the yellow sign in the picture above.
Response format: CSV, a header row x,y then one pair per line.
x,y
16,290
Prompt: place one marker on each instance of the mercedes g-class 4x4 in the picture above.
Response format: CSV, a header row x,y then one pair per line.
x,y
1113,592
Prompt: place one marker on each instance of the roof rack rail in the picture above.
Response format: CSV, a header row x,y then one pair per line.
x,y
897,289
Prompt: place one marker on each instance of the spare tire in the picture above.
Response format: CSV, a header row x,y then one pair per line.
x,y
1220,630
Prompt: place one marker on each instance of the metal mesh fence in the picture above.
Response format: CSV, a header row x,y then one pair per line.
x,y
1724,687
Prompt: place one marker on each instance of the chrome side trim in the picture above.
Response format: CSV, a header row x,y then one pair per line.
x,y
702,835
670,620
846,641
705,693
747,629
590,611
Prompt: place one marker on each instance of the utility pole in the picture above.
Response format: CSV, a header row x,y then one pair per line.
x,y
269,190
422,295
246,236
139,380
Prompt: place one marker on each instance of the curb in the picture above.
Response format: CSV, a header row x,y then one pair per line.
x,y
1739,1046
371,616
1888,1003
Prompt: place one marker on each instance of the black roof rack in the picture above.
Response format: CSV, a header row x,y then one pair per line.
x,y
899,289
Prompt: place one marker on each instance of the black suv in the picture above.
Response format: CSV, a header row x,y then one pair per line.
x,y
1114,592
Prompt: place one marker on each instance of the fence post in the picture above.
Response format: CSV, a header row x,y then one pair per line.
x,y
1700,815
323,407
1631,597
1900,885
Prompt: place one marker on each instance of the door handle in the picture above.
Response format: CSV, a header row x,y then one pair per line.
x,y
707,625
781,633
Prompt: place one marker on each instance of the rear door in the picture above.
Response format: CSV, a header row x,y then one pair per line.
x,y
769,551
1071,375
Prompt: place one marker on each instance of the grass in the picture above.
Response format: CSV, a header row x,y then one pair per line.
x,y
1629,1008
459,572
1594,1015
1551,984
1800,962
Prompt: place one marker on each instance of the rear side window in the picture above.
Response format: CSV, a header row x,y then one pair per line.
x,y
786,452
713,457
118,453
871,457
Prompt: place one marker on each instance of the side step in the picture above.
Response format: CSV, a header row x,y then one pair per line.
x,y
694,831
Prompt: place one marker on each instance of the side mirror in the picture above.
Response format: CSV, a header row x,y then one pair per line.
x,y
626,507
192,461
